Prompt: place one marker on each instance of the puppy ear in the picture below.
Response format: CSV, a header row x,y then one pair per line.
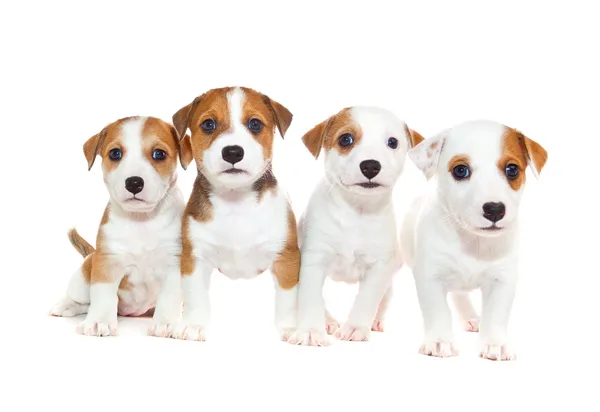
x,y
314,138
425,155
535,153
92,147
184,148
414,138
283,117
181,119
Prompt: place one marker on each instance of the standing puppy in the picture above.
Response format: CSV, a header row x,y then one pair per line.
x,y
138,242
348,231
463,236
238,220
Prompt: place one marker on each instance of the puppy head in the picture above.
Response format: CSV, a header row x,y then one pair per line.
x,y
480,169
139,160
232,133
365,148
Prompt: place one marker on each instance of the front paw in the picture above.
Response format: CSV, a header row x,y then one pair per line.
x,y
159,329
309,337
497,352
92,327
187,331
438,349
377,326
353,333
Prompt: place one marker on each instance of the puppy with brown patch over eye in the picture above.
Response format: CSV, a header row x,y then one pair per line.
x,y
348,232
138,242
238,219
463,236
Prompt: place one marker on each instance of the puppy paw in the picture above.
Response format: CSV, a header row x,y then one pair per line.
x,y
97,328
159,330
68,308
353,333
471,325
310,337
438,349
186,331
331,326
285,333
497,353
377,326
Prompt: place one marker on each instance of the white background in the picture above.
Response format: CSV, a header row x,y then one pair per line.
x,y
68,69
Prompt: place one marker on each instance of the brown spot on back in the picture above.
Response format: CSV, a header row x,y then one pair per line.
x,y
286,266
325,134
513,152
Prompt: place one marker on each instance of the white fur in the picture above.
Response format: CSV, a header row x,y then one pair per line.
x,y
444,242
348,233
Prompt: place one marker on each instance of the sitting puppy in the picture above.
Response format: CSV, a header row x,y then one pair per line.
x,y
463,236
237,220
138,242
348,231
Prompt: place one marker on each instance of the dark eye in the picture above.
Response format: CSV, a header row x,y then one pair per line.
x,y
209,125
158,154
255,125
346,140
512,171
392,142
115,154
461,172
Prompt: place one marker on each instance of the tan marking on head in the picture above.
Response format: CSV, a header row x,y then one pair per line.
x,y
199,208
457,161
325,134
159,135
512,152
103,142
286,266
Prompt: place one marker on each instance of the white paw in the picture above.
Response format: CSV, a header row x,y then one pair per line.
x,y
285,333
497,353
310,337
353,333
377,326
97,328
331,326
159,329
471,325
438,349
187,331
68,308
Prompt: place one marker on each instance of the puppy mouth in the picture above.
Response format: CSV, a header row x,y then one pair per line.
x,y
234,171
135,200
492,228
368,185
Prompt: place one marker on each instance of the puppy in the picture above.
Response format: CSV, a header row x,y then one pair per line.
x,y
238,219
463,235
348,231
138,242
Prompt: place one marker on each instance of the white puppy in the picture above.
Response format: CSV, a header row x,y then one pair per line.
x,y
463,235
348,231
138,241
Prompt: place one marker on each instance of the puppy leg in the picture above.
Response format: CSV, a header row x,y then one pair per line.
x,y
286,300
168,305
437,318
377,325
196,305
311,306
497,299
372,287
466,311
77,299
331,325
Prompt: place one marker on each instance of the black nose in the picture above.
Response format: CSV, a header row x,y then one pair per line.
x,y
232,154
370,168
134,184
494,211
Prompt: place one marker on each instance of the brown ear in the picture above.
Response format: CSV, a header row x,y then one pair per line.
x,y
283,117
181,119
414,138
92,146
314,138
185,151
536,154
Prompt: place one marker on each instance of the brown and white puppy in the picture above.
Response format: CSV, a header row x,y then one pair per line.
x,y
238,220
138,242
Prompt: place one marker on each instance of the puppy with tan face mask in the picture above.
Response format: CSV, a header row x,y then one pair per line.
x,y
348,232
463,235
137,246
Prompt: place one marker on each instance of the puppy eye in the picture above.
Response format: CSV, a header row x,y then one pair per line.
x,y
461,172
255,126
158,154
512,171
346,140
392,142
115,154
209,125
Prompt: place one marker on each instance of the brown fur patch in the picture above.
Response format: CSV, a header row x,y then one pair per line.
x,y
325,134
414,138
157,134
286,267
457,161
513,152
86,268
537,154
265,183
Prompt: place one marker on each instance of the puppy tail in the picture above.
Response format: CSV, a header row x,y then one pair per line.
x,y
80,244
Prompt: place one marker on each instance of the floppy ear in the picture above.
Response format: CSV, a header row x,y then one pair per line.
x,y
535,153
414,138
92,146
181,119
313,139
283,117
184,147
425,155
